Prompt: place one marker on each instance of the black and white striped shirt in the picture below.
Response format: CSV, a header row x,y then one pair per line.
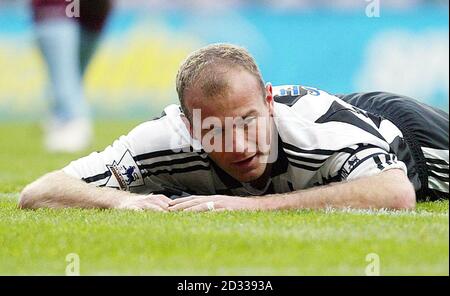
x,y
322,139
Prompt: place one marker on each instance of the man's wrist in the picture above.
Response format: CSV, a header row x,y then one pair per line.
x,y
281,201
120,198
264,203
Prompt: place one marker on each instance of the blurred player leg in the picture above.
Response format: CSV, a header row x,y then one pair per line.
x,y
67,45
93,16
69,129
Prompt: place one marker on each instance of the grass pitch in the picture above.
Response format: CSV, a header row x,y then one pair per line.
x,y
234,243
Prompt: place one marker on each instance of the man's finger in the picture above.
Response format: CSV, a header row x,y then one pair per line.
x,y
182,199
150,203
203,207
139,206
162,198
152,207
187,204
157,201
197,208
193,197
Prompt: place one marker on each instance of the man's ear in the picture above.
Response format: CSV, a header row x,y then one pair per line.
x,y
187,124
269,97
269,90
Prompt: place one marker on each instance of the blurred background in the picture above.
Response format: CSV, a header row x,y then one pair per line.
x,y
339,46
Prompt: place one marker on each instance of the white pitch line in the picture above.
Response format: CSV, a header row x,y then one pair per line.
x,y
380,212
9,195
386,212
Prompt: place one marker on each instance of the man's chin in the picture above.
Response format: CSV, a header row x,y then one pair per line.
x,y
249,176
247,179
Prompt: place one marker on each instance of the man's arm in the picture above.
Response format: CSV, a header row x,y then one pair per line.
x,y
77,185
59,190
390,189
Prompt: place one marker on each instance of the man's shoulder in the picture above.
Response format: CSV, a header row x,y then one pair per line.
x,y
302,102
166,132
292,95
317,120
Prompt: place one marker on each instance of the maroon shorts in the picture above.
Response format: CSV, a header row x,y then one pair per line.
x,y
93,13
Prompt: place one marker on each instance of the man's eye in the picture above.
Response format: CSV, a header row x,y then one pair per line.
x,y
250,120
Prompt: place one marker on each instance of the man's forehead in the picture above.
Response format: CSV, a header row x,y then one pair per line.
x,y
241,92
224,106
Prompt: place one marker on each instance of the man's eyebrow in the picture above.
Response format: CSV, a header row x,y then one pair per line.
x,y
250,113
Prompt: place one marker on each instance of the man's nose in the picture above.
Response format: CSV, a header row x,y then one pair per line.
x,y
239,146
238,142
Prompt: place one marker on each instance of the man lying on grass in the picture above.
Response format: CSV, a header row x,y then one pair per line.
x,y
237,144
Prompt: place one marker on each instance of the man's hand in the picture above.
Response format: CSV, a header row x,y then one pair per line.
x,y
388,190
198,203
153,202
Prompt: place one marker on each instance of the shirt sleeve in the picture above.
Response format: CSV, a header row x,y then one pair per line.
x,y
366,160
116,165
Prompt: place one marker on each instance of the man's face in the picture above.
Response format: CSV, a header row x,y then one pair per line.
x,y
235,125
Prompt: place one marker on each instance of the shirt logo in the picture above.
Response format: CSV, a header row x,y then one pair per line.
x,y
125,173
349,166
352,162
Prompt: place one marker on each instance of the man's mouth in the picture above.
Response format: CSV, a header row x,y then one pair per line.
x,y
245,162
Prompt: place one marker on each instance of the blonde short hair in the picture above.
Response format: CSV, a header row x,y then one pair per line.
x,y
204,65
